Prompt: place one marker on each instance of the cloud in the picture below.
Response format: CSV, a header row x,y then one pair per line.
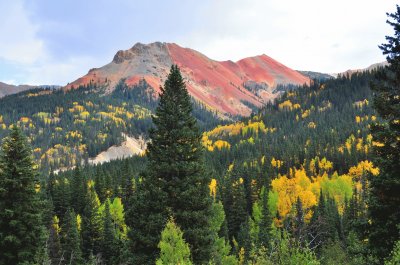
x,y
48,41
25,56
55,42
59,72
326,36
18,40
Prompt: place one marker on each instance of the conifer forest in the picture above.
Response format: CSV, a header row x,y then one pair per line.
x,y
311,177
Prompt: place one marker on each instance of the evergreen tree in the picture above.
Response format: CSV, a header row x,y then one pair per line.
x,y
78,191
108,243
146,215
173,248
91,224
221,248
235,203
54,243
175,181
318,225
299,232
21,226
100,186
264,236
333,221
72,253
244,239
384,200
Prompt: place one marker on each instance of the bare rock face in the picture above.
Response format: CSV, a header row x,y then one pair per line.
x,y
221,86
131,146
121,56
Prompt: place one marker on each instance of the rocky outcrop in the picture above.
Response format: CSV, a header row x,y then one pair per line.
x,y
131,146
222,86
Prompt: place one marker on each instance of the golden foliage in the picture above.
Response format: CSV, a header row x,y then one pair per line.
x,y
287,104
220,144
286,189
24,119
312,125
56,224
360,104
362,168
77,108
276,163
74,135
305,114
213,188
84,115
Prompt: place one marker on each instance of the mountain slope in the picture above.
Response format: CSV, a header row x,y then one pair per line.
x,y
228,87
316,75
6,89
367,69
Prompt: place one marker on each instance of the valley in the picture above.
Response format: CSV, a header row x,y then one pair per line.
x,y
167,156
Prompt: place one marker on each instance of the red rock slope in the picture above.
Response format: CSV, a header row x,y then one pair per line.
x,y
229,87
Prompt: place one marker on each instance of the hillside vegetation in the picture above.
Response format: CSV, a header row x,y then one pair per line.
x,y
311,146
66,128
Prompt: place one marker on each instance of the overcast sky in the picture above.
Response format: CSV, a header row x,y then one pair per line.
x,y
57,41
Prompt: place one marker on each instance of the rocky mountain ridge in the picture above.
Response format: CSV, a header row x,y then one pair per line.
x,y
231,88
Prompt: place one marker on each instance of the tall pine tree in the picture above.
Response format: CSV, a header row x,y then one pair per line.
x,y
21,225
384,200
264,236
108,241
175,182
71,242
91,224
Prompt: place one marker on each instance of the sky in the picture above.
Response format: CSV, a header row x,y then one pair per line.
x,y
48,42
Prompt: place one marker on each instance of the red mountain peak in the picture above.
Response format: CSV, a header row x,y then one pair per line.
x,y
227,86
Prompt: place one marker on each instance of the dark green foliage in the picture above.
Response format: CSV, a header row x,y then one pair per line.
x,y
71,243
164,189
355,217
384,200
265,235
78,191
108,241
235,204
146,215
248,176
300,226
54,246
175,182
91,224
60,195
288,143
22,233
325,225
54,242
58,106
244,239
333,254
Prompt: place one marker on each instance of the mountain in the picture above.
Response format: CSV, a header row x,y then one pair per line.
x,y
369,68
6,89
233,88
316,75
